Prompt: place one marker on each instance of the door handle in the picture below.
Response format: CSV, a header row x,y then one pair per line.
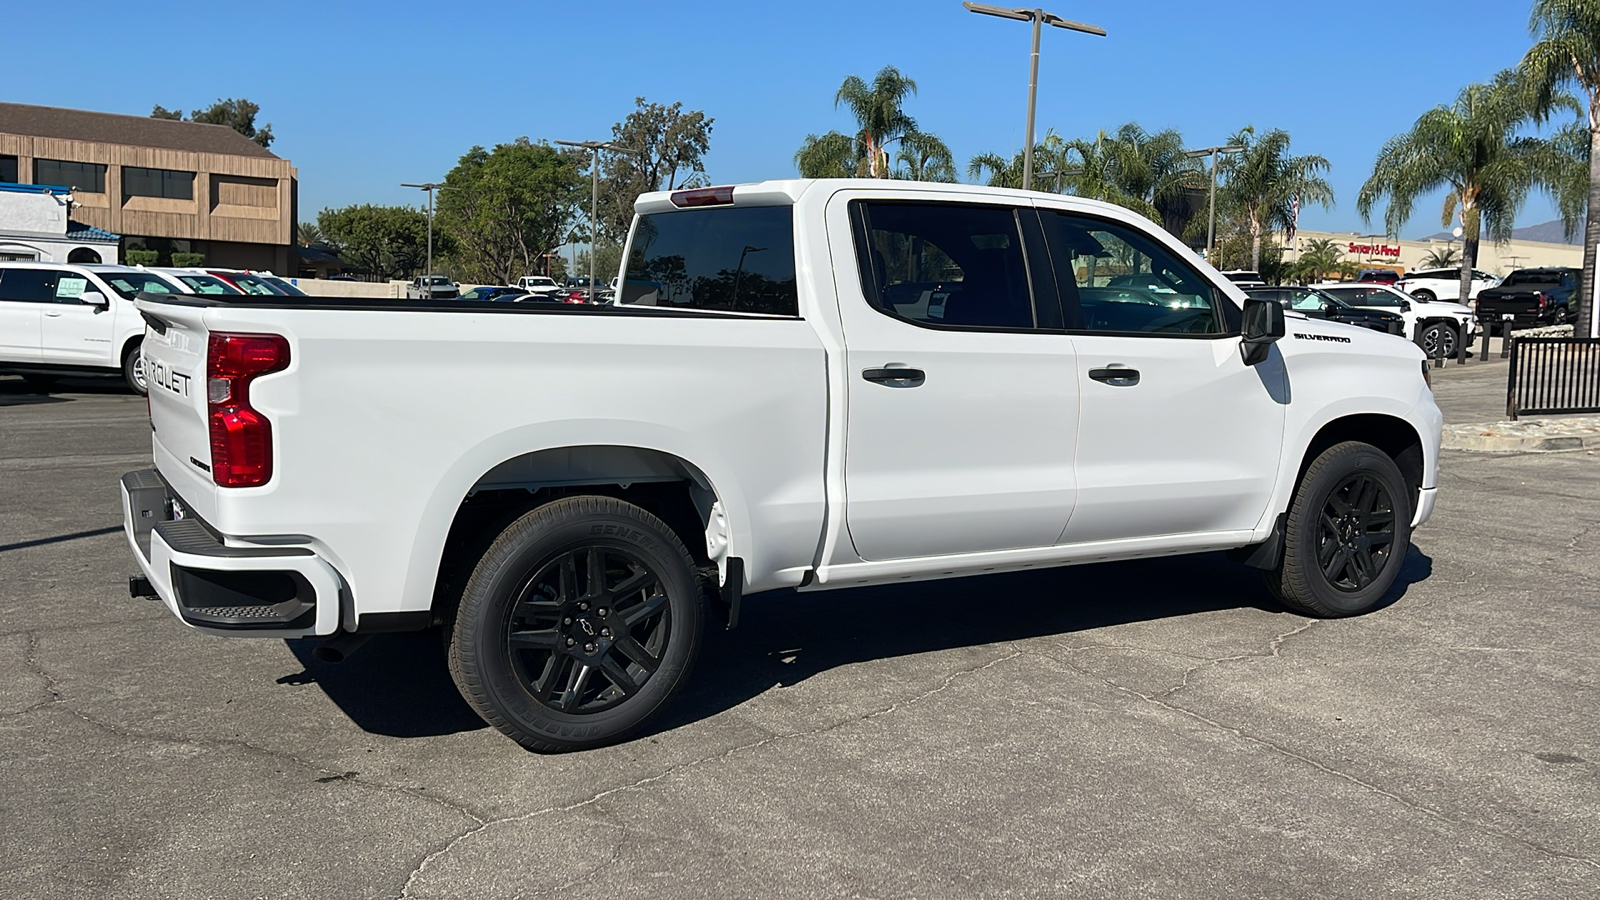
x,y
1116,376
54,315
898,376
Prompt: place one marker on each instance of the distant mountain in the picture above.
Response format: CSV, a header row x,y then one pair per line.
x,y
1549,233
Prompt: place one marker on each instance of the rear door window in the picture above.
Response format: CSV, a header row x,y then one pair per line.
x,y
28,285
945,264
724,259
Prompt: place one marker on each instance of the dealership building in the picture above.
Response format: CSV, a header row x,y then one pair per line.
x,y
153,184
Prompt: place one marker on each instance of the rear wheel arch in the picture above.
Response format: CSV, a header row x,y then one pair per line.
x,y
669,487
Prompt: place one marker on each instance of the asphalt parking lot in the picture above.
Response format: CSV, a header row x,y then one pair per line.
x,y
1150,729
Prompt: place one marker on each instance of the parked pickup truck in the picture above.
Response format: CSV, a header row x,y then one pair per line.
x,y
1531,297
804,384
432,287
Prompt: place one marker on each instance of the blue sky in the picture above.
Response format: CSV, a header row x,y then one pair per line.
x,y
363,96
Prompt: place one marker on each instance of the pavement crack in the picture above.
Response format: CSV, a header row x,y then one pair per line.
x,y
1273,647
324,774
448,846
1160,700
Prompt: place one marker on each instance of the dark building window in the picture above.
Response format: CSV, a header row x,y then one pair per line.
x,y
90,177
172,185
8,169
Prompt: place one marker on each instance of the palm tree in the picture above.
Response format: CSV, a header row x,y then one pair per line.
x,y
1567,51
832,155
1472,149
1094,169
307,233
1318,258
1441,259
924,158
1263,180
1153,167
879,118
997,171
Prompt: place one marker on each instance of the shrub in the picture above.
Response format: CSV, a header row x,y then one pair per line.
x,y
141,257
184,260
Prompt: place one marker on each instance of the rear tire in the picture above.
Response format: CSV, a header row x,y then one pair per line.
x,y
1425,295
133,369
577,625
1348,530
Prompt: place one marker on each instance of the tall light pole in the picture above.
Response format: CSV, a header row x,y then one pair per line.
x,y
430,187
1039,18
1211,228
594,194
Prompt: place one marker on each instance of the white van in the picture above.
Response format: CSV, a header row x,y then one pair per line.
x,y
61,319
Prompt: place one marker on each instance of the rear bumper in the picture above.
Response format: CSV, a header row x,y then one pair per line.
x,y
261,591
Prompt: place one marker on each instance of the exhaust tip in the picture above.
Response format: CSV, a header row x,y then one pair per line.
x,y
340,647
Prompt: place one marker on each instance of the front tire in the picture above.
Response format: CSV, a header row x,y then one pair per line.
x,y
1348,530
1438,339
133,369
580,621
1425,295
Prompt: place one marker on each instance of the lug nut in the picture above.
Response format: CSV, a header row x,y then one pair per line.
x,y
567,621
583,606
601,611
588,648
605,632
570,642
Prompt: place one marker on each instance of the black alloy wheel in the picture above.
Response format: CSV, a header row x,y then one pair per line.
x,y
577,624
1346,534
589,629
1357,533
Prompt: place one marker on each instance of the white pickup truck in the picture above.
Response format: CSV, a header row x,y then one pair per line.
x,y
806,385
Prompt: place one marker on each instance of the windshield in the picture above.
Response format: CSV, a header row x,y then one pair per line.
x,y
252,284
129,284
284,286
1534,277
205,284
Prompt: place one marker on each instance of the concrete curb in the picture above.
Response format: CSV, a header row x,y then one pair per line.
x,y
1536,436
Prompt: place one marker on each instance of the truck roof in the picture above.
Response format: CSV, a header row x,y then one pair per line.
x,y
788,191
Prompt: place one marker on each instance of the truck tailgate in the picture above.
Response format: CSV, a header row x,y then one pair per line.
x,y
175,364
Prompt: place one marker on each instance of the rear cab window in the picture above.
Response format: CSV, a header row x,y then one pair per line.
x,y
730,259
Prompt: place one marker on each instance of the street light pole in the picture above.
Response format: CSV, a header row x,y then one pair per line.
x,y
430,187
1038,18
594,194
1211,226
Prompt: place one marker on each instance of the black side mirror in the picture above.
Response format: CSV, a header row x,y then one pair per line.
x,y
1405,306
1263,324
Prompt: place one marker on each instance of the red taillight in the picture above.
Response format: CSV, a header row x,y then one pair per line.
x,y
712,196
241,437
1539,296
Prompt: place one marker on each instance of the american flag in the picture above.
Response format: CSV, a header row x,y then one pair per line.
x,y
1294,218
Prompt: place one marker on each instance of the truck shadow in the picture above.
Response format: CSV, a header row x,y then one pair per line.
x,y
398,684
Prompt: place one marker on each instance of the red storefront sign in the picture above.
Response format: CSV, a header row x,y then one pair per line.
x,y
1375,250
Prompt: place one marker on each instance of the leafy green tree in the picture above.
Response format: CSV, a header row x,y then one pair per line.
x,y
1263,180
923,157
880,121
1441,258
1473,149
387,241
502,208
666,150
1566,51
240,115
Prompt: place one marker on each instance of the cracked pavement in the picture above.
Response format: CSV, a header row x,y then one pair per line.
x,y
1151,729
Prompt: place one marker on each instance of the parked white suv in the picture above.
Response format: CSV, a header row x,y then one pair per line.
x,y
539,285
807,384
1428,285
1436,325
62,319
